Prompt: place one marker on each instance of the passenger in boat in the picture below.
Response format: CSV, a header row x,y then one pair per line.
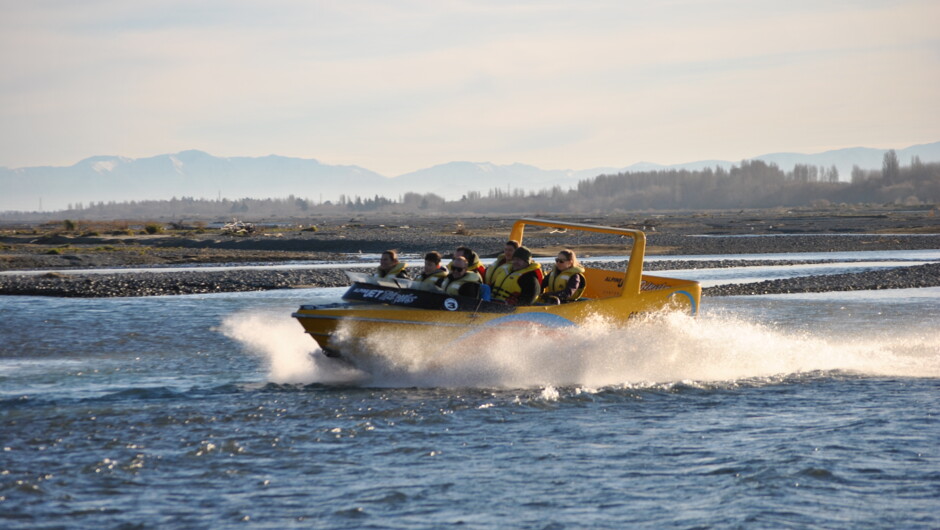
x,y
472,258
566,282
433,274
390,267
462,280
517,285
504,259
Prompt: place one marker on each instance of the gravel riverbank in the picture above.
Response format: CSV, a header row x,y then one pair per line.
x,y
195,282
677,235
897,278
167,283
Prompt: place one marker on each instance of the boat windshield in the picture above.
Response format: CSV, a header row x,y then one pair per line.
x,y
364,277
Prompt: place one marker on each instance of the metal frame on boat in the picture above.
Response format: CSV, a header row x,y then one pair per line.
x,y
396,309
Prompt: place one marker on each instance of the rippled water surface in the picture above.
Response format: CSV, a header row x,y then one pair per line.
x,y
815,410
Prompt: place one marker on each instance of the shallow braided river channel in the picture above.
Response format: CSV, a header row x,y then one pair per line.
x,y
216,411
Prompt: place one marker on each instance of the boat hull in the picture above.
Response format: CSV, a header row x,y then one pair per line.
x,y
337,327
374,311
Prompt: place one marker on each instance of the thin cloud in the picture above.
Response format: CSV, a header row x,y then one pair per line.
x,y
398,87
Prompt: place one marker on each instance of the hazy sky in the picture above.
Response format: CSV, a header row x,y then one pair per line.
x,y
399,86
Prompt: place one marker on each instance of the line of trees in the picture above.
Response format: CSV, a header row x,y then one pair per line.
x,y
752,184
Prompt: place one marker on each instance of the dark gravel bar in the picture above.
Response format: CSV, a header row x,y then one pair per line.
x,y
419,242
898,278
167,283
195,282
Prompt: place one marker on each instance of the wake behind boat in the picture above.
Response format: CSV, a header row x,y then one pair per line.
x,y
394,308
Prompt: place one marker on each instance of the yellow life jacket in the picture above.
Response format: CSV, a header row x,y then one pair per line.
x,y
491,270
452,286
507,285
428,282
558,281
392,273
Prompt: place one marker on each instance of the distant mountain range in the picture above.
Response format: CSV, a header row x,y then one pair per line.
x,y
201,175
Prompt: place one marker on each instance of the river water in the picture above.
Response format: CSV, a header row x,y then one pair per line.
x,y
208,411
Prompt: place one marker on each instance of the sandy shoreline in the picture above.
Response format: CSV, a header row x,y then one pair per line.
x,y
677,235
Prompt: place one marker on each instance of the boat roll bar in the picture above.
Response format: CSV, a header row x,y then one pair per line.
x,y
634,272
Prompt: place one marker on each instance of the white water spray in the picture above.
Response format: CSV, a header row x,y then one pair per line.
x,y
286,349
661,349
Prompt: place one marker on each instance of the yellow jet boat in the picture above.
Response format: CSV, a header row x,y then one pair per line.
x,y
394,309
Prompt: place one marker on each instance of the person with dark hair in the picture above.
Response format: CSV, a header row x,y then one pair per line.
x,y
504,259
566,281
519,285
389,266
462,280
433,274
472,258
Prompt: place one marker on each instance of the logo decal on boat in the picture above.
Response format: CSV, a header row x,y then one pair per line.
x,y
381,295
451,305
